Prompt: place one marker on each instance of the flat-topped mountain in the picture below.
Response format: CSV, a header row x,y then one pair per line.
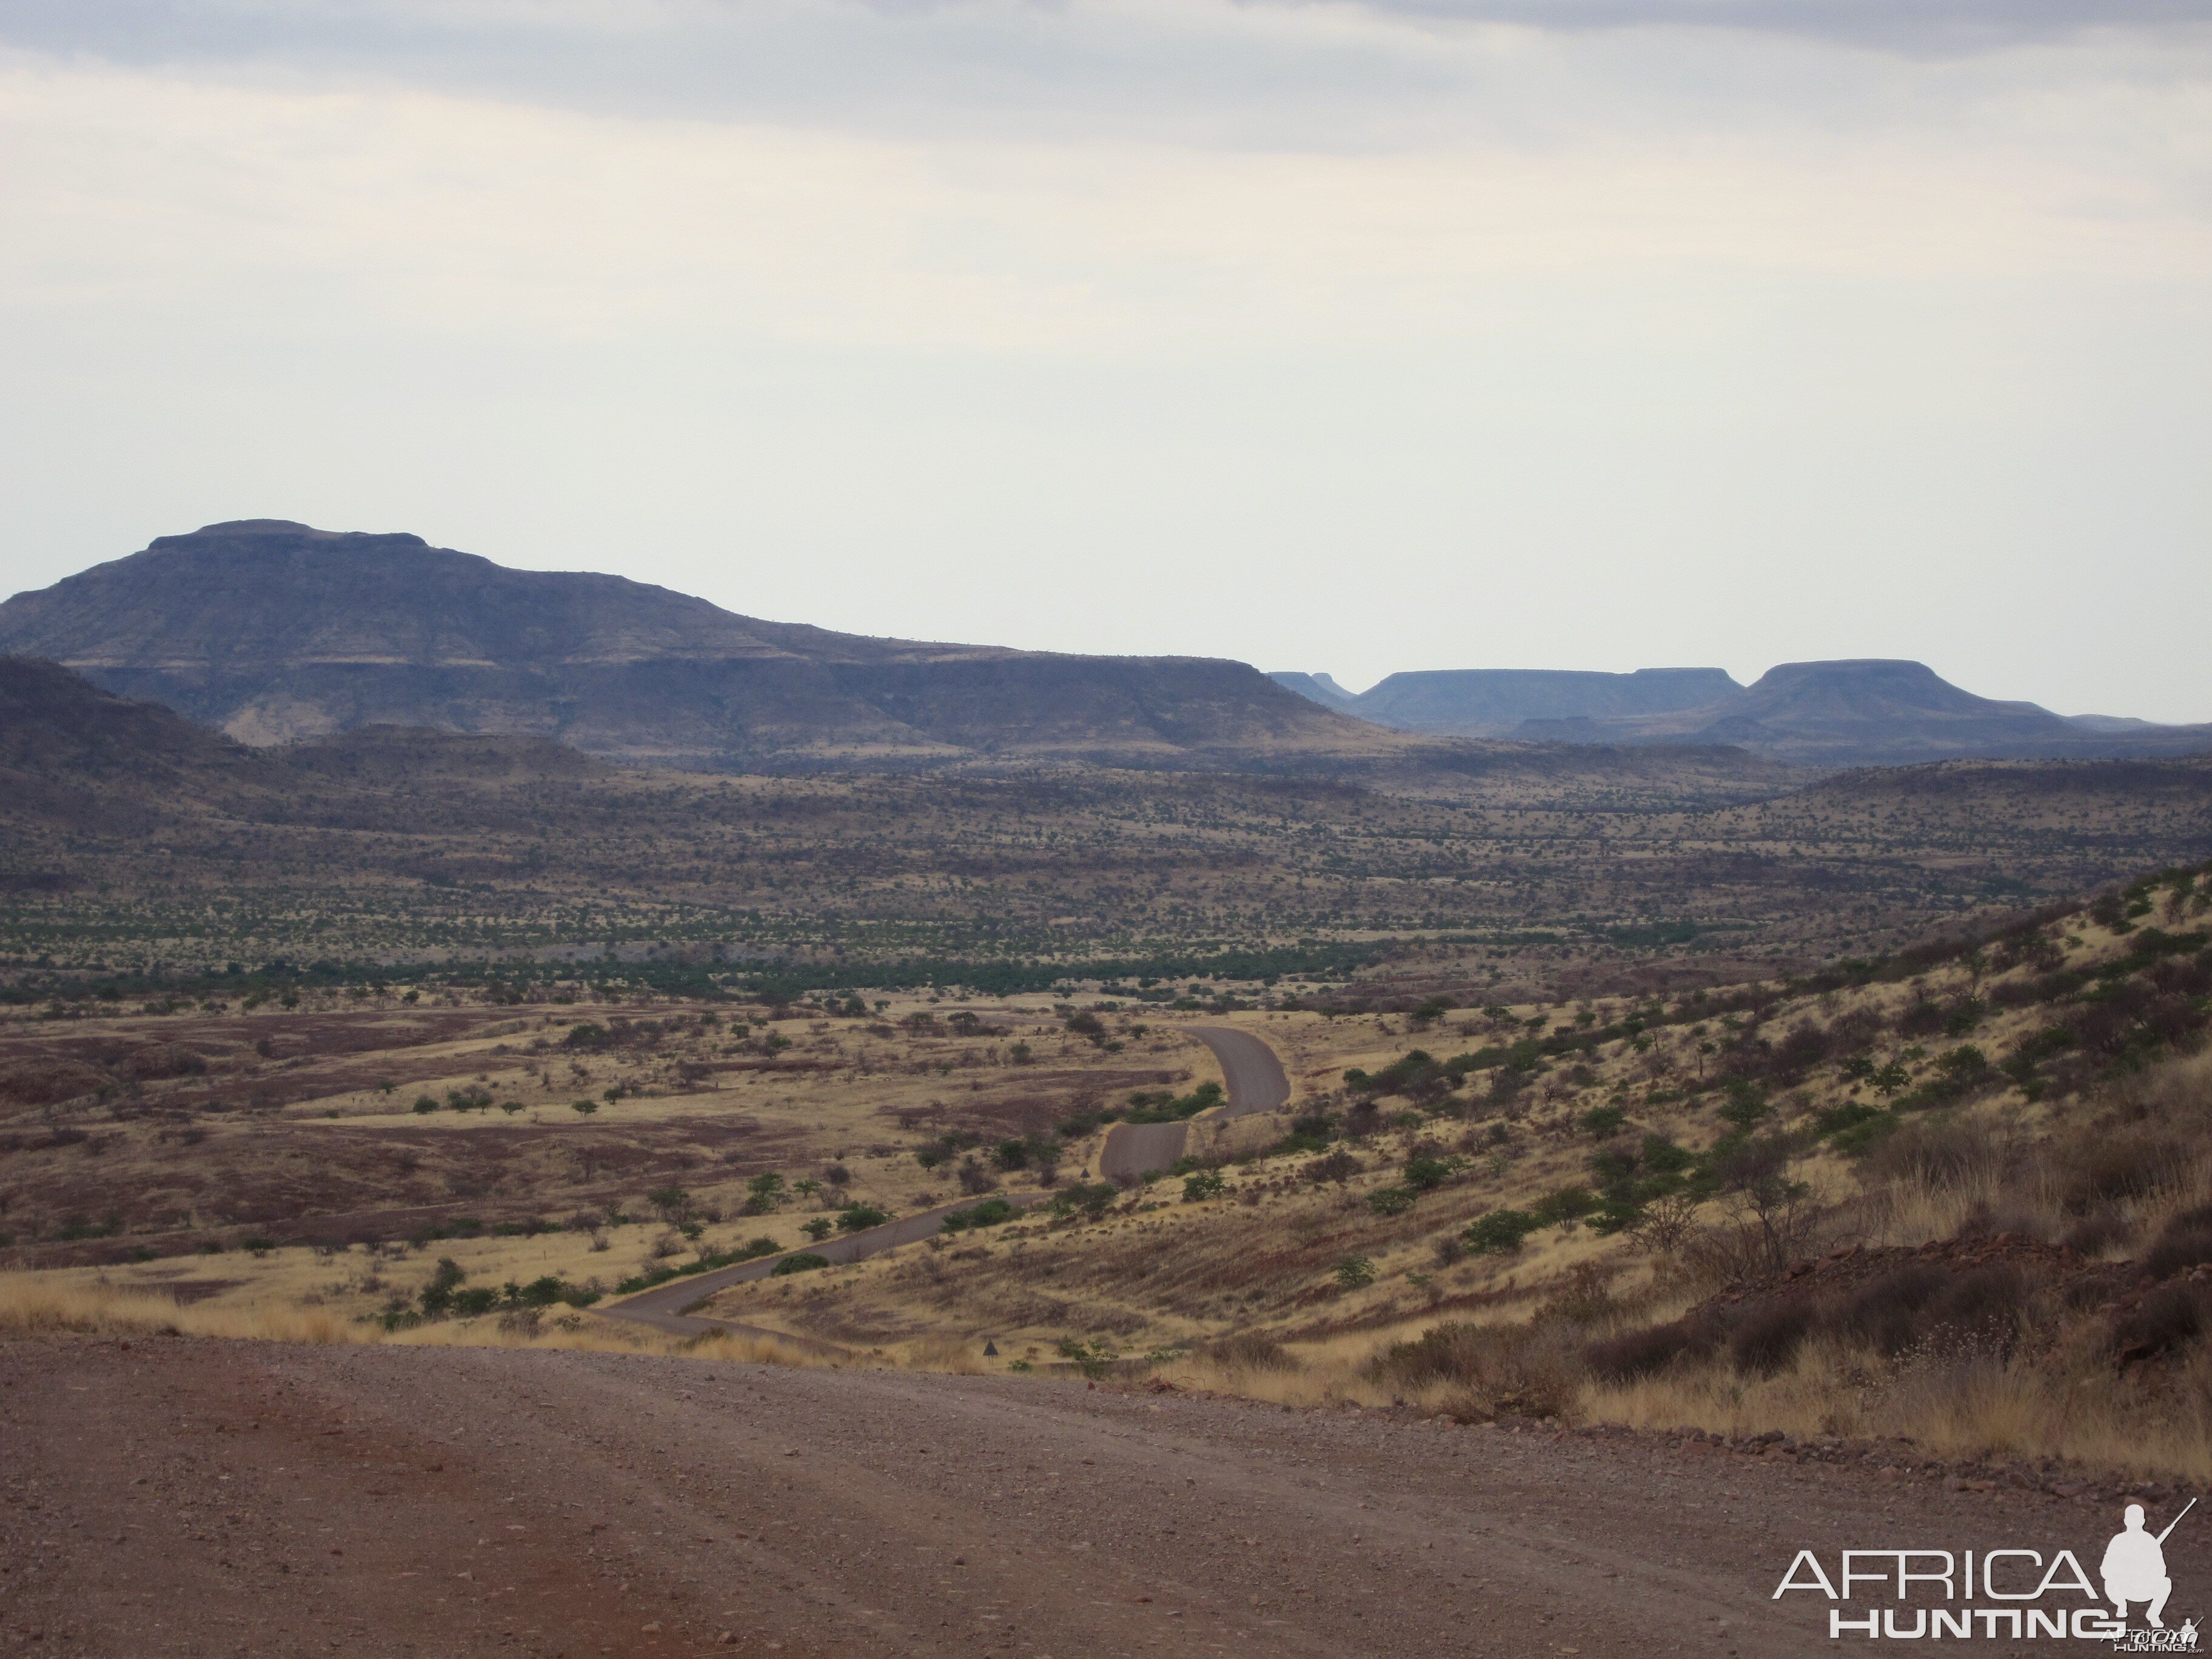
x,y
274,632
1862,711
1496,702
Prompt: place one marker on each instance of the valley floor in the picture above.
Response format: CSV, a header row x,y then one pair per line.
x,y
168,1496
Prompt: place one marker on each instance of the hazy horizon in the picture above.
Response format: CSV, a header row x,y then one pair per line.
x,y
1353,337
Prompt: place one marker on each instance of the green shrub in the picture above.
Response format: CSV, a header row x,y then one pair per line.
x,y
258,1245
818,1228
1205,1184
989,1213
1425,1174
438,1295
1500,1232
1095,1359
1391,1201
804,1263
854,1216
425,1104
1092,1200
1565,1203
1604,1120
1355,1271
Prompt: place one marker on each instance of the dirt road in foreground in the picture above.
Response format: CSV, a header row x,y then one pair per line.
x,y
179,1496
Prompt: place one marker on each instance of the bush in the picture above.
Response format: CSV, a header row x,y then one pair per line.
x,y
1745,1103
1094,1359
1500,1232
258,1245
1252,1351
1355,1271
438,1295
1493,1369
1565,1203
2187,1242
1425,1174
1635,1354
989,1213
818,1228
1392,1200
1338,1166
1767,1338
1162,1107
1884,1314
1604,1120
1205,1184
1091,1200
805,1261
2110,1169
856,1216
425,1104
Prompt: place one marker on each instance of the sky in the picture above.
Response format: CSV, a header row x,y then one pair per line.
x,y
1352,337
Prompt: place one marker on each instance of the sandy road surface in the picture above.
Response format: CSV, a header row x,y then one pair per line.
x,y
1257,1082
192,1498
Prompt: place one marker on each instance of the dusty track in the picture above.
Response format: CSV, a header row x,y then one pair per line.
x,y
187,1498
1257,1082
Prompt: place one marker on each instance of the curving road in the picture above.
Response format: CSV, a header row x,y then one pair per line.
x,y
1257,1082
663,1305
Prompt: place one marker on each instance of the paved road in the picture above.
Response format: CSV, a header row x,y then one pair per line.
x,y
1257,1082
663,1306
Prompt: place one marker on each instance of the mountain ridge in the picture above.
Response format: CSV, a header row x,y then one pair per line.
x,y
1839,712
275,632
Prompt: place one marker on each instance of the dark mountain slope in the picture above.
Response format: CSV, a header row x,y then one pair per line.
x,y
1493,702
1878,712
276,632
58,728
1318,688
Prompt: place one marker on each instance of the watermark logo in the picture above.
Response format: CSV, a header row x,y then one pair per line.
x,y
2007,1595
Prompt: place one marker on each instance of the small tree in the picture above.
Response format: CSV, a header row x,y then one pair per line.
x,y
1095,1359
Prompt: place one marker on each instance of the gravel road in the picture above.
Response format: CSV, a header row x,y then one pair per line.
x,y
174,1497
1257,1082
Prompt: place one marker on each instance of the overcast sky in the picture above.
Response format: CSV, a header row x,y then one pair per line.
x,y
1355,337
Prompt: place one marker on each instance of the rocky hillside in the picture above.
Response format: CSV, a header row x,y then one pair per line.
x,y
274,632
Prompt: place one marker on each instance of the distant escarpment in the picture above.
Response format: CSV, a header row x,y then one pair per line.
x,y
274,633
1863,712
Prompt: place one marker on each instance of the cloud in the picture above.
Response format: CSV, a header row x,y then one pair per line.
x,y
1325,74
1948,26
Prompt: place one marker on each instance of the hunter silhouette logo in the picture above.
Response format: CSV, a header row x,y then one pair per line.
x,y
2134,1567
2009,1595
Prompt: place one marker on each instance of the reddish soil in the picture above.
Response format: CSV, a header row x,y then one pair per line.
x,y
181,1497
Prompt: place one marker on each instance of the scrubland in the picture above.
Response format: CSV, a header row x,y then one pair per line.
x,y
1961,1196
1536,877
1646,1118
